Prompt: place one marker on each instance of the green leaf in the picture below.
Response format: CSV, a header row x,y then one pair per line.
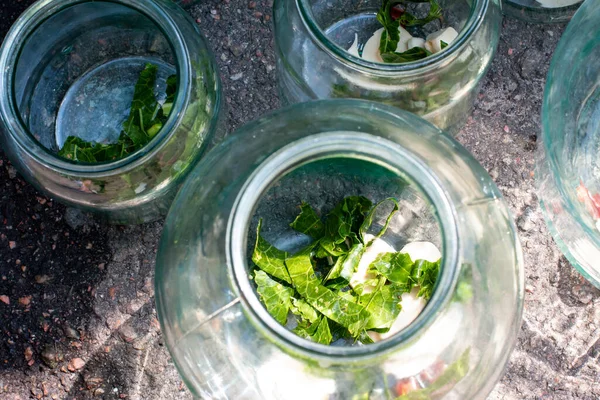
x,y
308,222
171,89
414,54
435,12
269,258
317,332
369,220
323,334
424,275
276,297
396,267
391,33
330,304
144,107
304,310
336,284
443,44
343,223
364,338
383,305
464,292
346,265
76,149
145,120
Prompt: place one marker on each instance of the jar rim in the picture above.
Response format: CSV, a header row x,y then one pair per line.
x,y
354,145
10,53
478,12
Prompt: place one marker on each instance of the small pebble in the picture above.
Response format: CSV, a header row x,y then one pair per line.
x,y
525,221
76,364
50,357
70,332
529,289
25,301
128,334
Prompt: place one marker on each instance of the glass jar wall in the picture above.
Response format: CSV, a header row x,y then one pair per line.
x,y
568,169
226,345
69,72
541,11
312,37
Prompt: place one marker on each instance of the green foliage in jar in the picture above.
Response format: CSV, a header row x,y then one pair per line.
x,y
391,23
146,118
313,285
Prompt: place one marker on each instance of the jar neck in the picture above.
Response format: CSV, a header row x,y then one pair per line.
x,y
25,27
350,145
478,11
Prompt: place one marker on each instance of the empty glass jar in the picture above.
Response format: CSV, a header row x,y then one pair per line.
x,y
541,11
312,37
69,69
224,342
568,166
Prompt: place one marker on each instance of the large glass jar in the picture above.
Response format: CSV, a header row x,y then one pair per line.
x,y
568,165
312,36
226,345
69,69
541,11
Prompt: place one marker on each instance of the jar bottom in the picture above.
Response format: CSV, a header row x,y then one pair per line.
x,y
96,105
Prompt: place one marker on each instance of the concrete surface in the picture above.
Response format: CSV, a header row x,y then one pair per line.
x,y
77,317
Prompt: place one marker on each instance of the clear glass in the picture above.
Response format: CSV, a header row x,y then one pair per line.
x,y
69,68
226,345
568,169
541,11
312,36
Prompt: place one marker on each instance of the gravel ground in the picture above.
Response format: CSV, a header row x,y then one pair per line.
x,y
77,317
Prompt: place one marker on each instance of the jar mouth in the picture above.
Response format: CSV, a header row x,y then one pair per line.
x,y
478,11
16,39
352,145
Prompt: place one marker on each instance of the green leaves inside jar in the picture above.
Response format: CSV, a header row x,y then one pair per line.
x,y
146,118
313,292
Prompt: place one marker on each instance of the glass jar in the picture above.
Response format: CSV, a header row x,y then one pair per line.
x,y
312,36
568,168
224,342
69,68
541,11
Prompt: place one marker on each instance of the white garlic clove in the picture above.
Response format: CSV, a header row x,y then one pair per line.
x,y
422,251
371,50
361,275
354,48
405,37
434,40
416,42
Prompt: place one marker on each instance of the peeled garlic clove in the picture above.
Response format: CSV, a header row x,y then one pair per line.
x,y
371,50
411,308
405,37
434,40
422,251
415,42
379,246
354,48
